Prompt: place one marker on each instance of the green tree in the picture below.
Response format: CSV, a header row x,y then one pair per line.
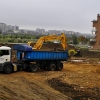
x,y
75,40
16,36
83,39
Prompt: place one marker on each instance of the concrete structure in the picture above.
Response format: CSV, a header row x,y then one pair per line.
x,y
95,42
3,27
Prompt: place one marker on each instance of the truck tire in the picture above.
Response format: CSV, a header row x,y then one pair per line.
x,y
42,65
33,67
8,69
59,66
52,66
25,67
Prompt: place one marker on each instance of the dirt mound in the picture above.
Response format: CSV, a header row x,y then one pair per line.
x,y
49,45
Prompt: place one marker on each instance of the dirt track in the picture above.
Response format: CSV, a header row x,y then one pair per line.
x,y
77,81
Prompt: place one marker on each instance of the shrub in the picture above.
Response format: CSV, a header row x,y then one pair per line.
x,y
10,40
19,41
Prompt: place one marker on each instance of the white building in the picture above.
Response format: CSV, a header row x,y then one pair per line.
x,y
6,28
40,30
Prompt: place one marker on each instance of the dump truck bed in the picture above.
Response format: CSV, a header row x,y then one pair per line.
x,y
26,53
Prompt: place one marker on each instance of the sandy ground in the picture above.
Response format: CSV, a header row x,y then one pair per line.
x,y
77,81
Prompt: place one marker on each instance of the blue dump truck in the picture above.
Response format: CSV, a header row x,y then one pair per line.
x,y
31,60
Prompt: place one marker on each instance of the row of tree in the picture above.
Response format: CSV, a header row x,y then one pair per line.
x,y
71,40
79,39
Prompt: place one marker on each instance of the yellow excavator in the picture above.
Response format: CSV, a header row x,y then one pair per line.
x,y
62,38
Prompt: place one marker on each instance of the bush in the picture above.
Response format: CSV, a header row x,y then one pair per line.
x,y
24,41
10,40
19,41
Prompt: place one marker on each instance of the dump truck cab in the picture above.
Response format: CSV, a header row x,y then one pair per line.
x,y
5,54
5,57
6,64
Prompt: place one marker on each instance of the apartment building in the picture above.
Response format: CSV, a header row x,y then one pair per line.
x,y
5,28
95,42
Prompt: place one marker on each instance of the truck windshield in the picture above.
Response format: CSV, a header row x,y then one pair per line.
x,y
4,52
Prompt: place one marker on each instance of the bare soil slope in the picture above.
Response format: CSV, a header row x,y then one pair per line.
x,y
76,81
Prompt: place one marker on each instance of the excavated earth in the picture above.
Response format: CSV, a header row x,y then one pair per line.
x,y
77,81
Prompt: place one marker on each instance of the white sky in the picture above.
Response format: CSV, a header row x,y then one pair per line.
x,y
75,15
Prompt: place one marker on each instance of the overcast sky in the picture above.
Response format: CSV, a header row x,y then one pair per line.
x,y
75,15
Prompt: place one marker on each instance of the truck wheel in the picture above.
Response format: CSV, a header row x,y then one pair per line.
x,y
59,66
52,66
33,67
25,67
44,66
7,69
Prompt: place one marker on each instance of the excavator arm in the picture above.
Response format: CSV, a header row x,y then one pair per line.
x,y
61,38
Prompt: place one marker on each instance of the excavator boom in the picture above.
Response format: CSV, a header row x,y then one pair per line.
x,y
61,38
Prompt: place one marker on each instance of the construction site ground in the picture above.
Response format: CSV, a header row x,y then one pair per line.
x,y
79,80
